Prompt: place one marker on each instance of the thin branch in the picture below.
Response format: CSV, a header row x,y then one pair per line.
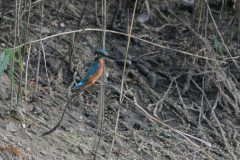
x,y
100,30
54,128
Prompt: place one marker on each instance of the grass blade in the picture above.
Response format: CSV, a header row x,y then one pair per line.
x,y
10,53
11,70
2,57
20,86
20,55
4,64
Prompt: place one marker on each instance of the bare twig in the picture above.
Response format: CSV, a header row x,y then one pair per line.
x,y
100,30
102,90
37,73
123,75
220,128
54,128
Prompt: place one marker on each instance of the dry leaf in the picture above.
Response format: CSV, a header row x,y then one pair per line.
x,y
14,150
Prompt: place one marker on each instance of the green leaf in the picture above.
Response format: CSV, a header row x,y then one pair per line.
x,y
20,55
210,25
218,47
4,64
216,43
11,71
10,53
220,50
2,57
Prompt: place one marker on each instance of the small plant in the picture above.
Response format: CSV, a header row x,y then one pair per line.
x,y
4,59
3,62
8,58
216,43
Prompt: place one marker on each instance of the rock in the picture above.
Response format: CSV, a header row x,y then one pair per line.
x,y
113,106
54,63
2,125
62,25
135,61
84,151
80,97
82,129
28,149
152,62
134,40
42,153
106,74
19,144
185,5
152,79
186,87
53,84
109,63
121,50
78,79
11,127
37,110
164,7
46,118
143,69
29,135
92,124
3,93
34,50
72,150
41,82
121,62
90,40
76,61
165,135
147,65
3,44
136,126
143,17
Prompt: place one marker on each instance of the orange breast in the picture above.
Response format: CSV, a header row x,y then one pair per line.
x,y
92,79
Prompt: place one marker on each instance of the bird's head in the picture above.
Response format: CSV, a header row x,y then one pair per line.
x,y
101,54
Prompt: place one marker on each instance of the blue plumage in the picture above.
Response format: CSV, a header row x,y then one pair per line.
x,y
100,51
92,70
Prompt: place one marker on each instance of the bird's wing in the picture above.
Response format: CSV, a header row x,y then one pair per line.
x,y
91,71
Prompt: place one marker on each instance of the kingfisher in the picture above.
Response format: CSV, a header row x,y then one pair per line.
x,y
95,69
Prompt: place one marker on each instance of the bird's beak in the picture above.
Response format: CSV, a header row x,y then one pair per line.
x,y
107,56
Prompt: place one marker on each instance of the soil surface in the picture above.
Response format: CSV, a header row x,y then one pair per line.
x,y
192,94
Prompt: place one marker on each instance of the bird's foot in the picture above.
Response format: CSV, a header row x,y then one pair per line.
x,y
94,85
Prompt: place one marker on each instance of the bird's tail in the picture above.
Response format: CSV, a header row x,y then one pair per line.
x,y
79,85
